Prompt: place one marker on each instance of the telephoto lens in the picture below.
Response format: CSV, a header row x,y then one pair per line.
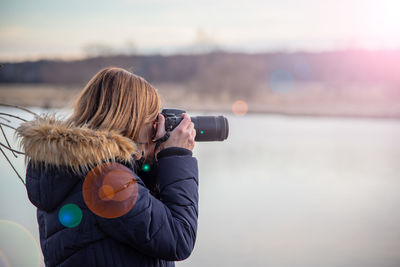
x,y
208,128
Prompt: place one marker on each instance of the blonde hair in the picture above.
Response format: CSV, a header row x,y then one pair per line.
x,y
115,99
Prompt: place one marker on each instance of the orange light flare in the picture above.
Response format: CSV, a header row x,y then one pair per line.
x,y
110,190
240,108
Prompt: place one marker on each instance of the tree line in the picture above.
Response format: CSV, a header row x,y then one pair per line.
x,y
238,73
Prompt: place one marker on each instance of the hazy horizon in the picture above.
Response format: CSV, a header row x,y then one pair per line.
x,y
32,30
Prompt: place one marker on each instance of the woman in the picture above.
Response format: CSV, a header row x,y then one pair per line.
x,y
113,121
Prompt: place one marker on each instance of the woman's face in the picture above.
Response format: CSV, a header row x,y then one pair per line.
x,y
145,140
145,133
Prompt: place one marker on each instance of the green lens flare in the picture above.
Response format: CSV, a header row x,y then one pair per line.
x,y
146,167
70,215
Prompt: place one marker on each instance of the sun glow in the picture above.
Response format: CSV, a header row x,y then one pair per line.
x,y
384,21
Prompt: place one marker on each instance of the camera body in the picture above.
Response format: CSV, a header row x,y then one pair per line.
x,y
208,128
172,118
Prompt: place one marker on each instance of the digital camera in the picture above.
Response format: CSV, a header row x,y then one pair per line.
x,y
208,128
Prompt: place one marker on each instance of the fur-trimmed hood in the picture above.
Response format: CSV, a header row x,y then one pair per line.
x,y
52,141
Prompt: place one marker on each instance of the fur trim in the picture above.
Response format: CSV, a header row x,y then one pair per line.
x,y
51,141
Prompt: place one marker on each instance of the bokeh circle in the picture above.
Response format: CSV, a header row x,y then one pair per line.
x,y
110,190
281,81
146,167
240,108
18,247
70,215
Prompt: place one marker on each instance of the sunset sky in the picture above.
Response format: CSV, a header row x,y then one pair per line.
x,y
32,29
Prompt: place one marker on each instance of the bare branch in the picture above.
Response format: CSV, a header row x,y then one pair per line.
x,y
13,150
12,166
19,107
2,113
5,137
5,119
8,126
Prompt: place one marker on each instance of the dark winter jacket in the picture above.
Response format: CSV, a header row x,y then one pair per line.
x,y
158,230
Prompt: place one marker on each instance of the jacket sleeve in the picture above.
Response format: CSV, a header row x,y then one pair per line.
x,y
163,228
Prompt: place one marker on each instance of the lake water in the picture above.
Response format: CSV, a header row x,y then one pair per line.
x,y
281,191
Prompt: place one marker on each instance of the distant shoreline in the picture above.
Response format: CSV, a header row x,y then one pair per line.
x,y
50,96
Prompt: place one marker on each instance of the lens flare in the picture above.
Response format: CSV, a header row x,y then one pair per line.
x,y
281,81
3,259
70,215
240,108
146,167
383,23
18,247
110,190
106,192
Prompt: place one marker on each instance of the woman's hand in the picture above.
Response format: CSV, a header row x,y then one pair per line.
x,y
182,136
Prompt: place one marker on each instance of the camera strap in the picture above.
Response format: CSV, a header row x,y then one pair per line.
x,y
158,143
